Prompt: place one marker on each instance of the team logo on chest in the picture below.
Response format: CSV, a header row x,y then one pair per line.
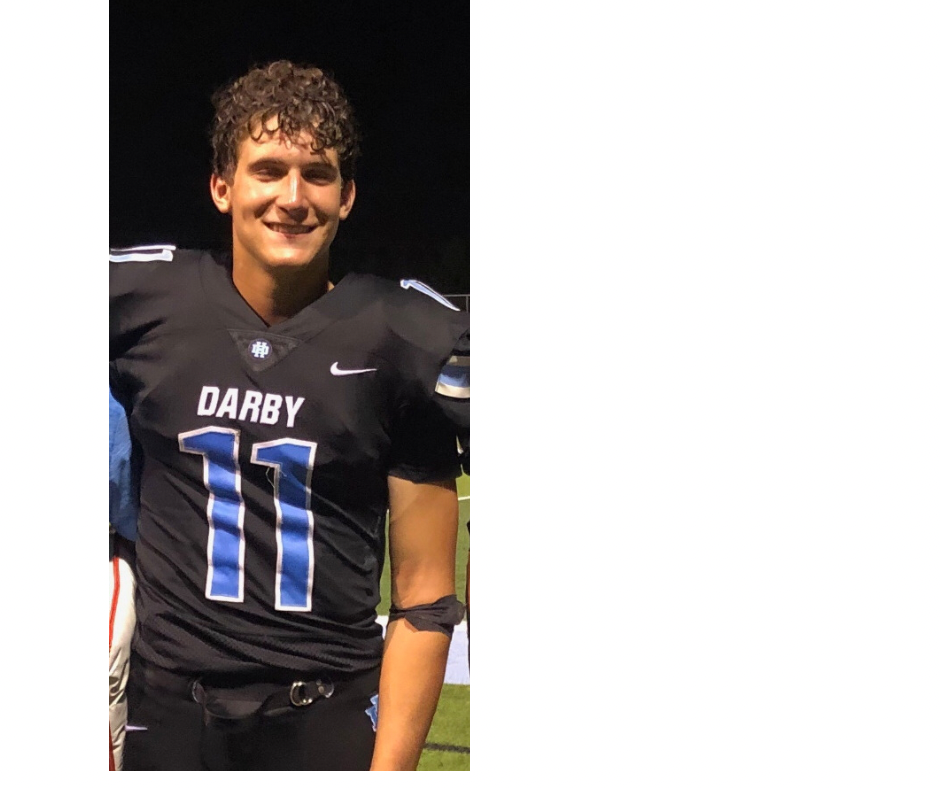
x,y
260,349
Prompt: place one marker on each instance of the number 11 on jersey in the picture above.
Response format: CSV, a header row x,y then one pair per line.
x,y
293,462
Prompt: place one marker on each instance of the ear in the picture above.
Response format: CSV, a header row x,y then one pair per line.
x,y
220,190
348,193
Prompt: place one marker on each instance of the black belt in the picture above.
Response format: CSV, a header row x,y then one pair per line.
x,y
237,706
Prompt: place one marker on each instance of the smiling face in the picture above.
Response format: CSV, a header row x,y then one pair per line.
x,y
286,202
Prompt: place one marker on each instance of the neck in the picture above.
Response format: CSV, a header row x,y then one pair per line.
x,y
276,293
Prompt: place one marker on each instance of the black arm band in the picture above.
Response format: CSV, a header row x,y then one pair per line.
x,y
440,616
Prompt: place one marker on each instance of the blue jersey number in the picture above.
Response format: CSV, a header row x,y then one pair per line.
x,y
292,462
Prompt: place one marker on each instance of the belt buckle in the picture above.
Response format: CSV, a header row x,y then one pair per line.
x,y
299,696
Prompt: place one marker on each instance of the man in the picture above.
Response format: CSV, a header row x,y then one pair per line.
x,y
123,508
279,417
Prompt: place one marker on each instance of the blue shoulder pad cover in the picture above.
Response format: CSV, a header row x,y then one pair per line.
x,y
454,380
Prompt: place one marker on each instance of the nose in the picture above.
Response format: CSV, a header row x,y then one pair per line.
x,y
290,197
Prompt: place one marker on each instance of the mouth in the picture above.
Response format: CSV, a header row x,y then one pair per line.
x,y
289,230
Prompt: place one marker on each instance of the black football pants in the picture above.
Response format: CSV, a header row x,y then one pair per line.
x,y
168,730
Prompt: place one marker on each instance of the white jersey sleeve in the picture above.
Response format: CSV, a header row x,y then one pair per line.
x,y
120,629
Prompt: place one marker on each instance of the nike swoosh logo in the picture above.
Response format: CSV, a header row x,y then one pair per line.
x,y
132,727
335,370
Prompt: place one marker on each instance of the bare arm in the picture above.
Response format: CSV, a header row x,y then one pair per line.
x,y
423,527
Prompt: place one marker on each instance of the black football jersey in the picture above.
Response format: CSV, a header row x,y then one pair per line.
x,y
266,455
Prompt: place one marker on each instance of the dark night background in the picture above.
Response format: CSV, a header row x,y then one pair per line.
x,y
405,68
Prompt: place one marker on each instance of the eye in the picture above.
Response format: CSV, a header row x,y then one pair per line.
x,y
320,176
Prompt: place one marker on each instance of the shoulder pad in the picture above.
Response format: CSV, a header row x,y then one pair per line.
x,y
454,380
141,253
421,287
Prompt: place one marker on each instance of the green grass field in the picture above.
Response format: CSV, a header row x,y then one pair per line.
x,y
449,742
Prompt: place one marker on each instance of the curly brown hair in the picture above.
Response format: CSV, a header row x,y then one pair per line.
x,y
303,99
